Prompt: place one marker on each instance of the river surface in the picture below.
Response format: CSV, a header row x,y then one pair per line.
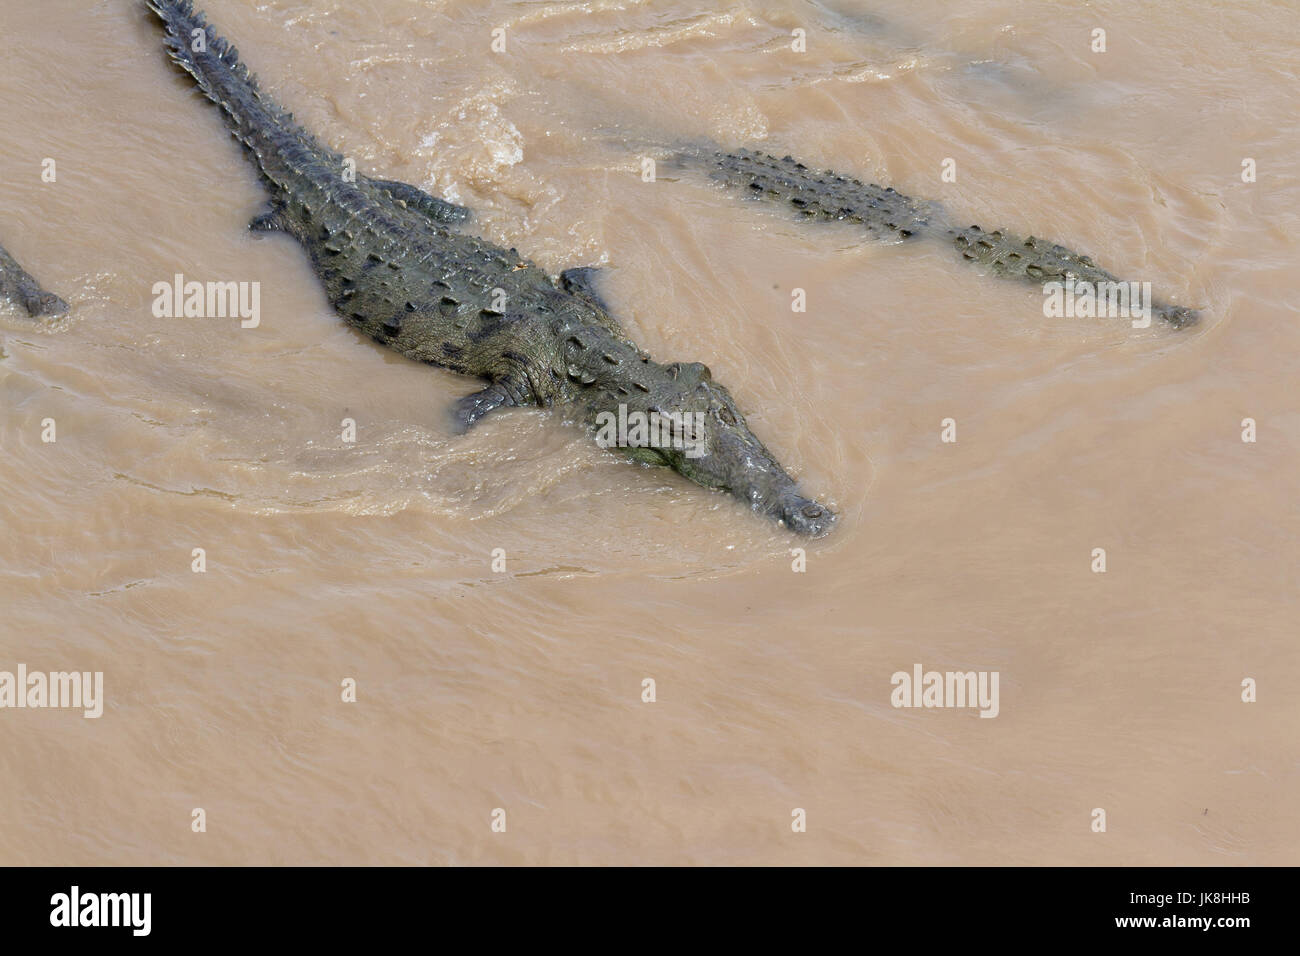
x,y
519,687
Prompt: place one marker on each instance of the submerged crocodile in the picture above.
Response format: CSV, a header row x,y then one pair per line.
x,y
17,283
397,264
887,214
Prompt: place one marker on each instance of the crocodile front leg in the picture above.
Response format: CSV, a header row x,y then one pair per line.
x,y
500,394
519,355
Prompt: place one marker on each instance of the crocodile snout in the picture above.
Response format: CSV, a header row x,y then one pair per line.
x,y
805,516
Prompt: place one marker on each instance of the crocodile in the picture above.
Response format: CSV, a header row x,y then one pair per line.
x,y
886,214
17,283
400,266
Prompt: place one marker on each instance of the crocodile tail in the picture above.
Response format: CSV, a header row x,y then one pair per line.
x,y
886,213
1040,262
283,149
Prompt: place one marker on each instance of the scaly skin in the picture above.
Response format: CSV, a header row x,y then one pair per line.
x,y
16,283
397,267
887,214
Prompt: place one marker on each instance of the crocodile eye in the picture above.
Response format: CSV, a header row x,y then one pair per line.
x,y
725,414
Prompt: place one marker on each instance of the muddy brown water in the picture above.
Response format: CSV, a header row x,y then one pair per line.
x,y
522,689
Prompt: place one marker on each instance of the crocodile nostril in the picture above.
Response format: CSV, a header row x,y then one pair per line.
x,y
813,511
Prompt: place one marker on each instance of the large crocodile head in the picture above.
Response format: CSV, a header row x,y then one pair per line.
x,y
700,433
729,456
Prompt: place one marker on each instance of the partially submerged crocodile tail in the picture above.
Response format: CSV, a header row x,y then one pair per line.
x,y
17,283
887,214
281,147
1035,260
